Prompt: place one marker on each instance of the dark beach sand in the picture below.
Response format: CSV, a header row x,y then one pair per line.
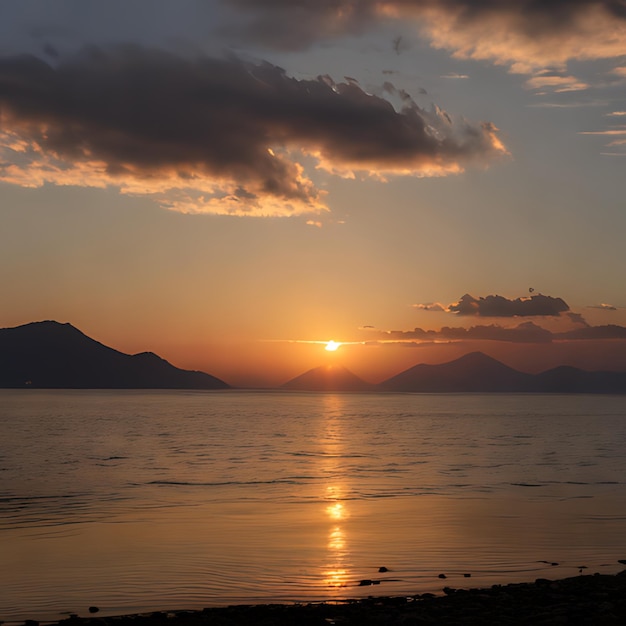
x,y
595,600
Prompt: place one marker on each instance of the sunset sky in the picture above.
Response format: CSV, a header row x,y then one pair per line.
x,y
233,183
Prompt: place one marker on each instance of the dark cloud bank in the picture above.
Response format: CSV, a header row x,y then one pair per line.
x,y
151,122
528,332
499,306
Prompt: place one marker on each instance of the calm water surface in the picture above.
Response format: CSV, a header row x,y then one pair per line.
x,y
137,501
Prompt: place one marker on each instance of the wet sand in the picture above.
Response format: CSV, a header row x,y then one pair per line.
x,y
596,599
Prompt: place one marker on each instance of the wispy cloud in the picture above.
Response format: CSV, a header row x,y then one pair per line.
x,y
214,135
568,105
527,332
431,306
610,131
558,84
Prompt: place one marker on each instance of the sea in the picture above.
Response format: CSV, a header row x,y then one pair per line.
x,y
138,501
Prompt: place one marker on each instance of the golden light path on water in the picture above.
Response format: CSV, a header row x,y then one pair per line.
x,y
337,572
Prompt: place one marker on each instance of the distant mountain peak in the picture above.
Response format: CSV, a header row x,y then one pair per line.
x,y
474,371
478,360
475,357
330,377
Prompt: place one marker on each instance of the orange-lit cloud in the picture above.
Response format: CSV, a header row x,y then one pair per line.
x,y
557,83
526,35
618,133
610,131
208,135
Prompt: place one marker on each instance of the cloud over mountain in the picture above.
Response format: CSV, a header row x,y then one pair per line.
x,y
523,333
213,135
527,332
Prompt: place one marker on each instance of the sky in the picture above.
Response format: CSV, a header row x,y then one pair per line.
x,y
232,184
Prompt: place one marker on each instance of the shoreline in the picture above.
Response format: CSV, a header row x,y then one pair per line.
x,y
594,599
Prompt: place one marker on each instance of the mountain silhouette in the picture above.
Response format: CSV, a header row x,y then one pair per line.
x,y
477,372
472,372
54,355
328,378
566,379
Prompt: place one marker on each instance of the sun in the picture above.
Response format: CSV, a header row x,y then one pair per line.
x,y
331,346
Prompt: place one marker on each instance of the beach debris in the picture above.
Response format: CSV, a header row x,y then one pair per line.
x,y
442,576
467,575
93,609
366,582
622,561
581,568
382,569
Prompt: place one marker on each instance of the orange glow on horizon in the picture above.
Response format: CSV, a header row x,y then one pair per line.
x,y
332,346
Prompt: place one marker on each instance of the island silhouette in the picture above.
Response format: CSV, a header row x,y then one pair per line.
x,y
51,355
